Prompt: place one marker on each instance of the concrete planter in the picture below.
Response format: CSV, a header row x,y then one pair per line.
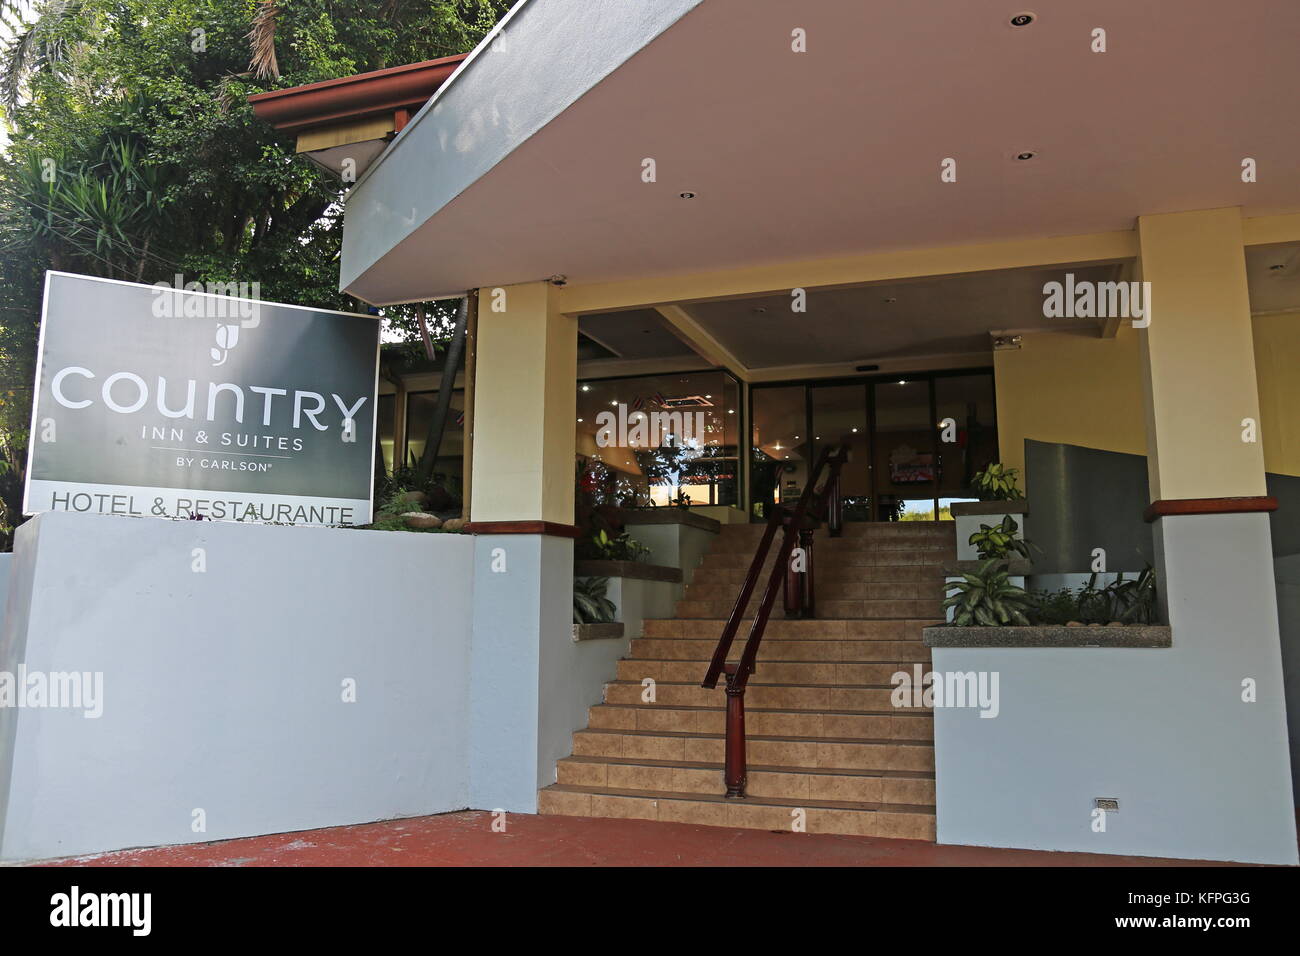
x,y
598,632
627,569
972,509
1127,635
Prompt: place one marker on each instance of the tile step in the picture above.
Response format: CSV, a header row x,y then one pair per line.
x,y
898,821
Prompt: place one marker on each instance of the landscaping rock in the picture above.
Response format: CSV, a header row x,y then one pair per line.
x,y
415,498
418,519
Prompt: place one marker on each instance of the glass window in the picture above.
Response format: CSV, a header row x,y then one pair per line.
x,y
448,469
387,429
658,440
780,442
968,434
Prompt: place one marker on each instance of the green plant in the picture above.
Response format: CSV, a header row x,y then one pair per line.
x,y
997,483
1130,601
590,605
999,541
622,548
987,597
1134,601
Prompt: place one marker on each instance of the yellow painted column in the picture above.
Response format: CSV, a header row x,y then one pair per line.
x,y
1198,358
525,404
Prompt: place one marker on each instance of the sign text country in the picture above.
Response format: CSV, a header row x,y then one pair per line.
x,y
193,412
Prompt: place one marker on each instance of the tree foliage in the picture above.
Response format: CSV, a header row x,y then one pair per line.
x,y
133,152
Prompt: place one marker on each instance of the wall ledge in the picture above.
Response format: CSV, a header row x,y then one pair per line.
x,y
598,632
1017,567
1129,635
627,569
671,516
967,509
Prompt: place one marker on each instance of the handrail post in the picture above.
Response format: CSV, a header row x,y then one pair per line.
x,y
735,773
834,507
808,592
793,588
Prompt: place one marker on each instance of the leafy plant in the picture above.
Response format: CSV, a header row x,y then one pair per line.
x,y
590,605
1134,602
999,541
1130,601
621,548
987,597
997,483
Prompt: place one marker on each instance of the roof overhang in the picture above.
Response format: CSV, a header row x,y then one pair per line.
x,y
353,117
528,164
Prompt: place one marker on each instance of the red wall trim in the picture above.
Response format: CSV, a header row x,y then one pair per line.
x,y
1208,506
550,528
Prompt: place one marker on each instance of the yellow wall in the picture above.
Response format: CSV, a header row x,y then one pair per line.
x,y
1073,388
1277,363
1084,390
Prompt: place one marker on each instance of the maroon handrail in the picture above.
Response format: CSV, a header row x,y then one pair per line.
x,y
799,525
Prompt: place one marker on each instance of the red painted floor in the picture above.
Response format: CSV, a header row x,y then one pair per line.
x,y
468,839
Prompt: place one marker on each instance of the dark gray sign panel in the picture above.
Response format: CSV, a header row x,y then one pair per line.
x,y
155,401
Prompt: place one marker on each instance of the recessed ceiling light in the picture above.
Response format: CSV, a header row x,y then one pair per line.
x,y
615,402
1025,155
586,388
1277,268
731,411
1021,19
855,429
687,194
889,300
902,381
579,419
759,310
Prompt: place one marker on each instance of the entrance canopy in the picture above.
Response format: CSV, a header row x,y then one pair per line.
x,y
530,162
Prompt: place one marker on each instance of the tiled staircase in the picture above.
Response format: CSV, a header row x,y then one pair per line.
x,y
822,733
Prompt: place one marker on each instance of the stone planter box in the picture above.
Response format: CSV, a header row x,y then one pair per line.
x,y
670,516
1016,567
1130,635
971,509
598,632
627,569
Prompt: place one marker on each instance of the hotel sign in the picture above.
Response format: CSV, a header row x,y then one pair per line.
x,y
162,401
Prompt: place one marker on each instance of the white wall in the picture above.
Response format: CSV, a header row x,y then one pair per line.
x,y
1199,773
222,690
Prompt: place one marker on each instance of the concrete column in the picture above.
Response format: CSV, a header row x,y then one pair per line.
x,y
1198,357
1211,528
525,404
527,695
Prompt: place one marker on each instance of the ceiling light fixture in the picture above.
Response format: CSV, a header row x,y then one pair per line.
x,y
1021,19
687,194
1025,155
586,388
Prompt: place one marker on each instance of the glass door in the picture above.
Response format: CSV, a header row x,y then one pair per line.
x,y
906,468
779,447
839,417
